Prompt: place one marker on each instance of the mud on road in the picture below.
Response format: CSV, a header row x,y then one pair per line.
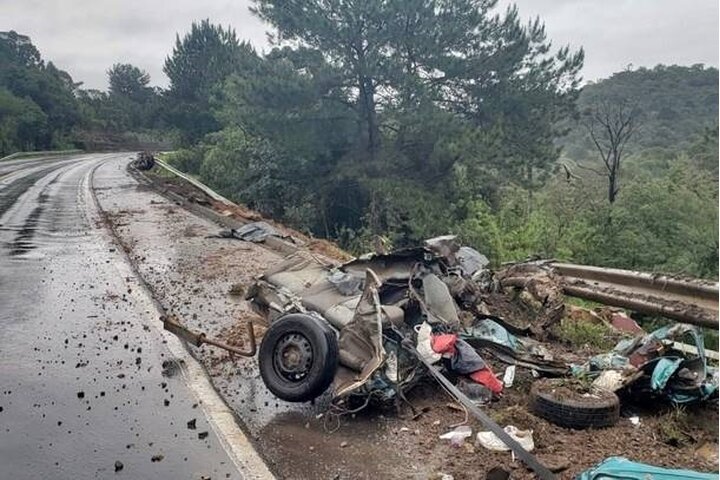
x,y
200,278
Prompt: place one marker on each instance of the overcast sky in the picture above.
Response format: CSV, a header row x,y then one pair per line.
x,y
85,37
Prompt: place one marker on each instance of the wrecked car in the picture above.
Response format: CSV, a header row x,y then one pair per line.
x,y
351,326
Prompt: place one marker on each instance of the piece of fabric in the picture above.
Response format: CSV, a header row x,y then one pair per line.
x,y
444,343
466,360
487,377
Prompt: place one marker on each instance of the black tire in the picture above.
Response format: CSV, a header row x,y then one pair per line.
x,y
298,357
569,412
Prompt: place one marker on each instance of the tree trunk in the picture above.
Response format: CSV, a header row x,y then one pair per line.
x,y
368,113
612,187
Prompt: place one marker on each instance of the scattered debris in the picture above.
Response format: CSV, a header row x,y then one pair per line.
x,y
381,324
237,290
458,435
490,441
256,232
144,161
649,366
509,376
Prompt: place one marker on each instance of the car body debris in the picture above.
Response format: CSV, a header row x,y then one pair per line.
x,y
144,161
649,366
622,468
377,301
256,232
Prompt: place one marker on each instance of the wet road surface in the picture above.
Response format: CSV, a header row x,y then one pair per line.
x,y
87,387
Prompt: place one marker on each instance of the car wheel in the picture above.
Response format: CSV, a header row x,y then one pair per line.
x,y
559,405
298,357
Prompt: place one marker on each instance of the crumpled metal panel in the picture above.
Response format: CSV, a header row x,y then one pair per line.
x,y
620,468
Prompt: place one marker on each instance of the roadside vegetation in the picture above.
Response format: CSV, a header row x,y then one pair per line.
x,y
411,119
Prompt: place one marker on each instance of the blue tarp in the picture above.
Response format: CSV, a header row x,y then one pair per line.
x,y
619,468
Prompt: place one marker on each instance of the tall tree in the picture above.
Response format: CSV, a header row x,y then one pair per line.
x,y
129,81
200,61
414,55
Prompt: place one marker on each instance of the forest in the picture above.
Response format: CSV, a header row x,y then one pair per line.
x,y
399,121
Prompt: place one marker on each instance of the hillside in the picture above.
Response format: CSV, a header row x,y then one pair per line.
x,y
675,104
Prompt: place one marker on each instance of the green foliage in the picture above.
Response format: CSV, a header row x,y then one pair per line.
x,y
403,57
481,230
242,167
23,124
38,108
667,224
373,108
130,105
418,118
129,81
200,62
582,333
672,427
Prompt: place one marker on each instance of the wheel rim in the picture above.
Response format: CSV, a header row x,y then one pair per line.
x,y
293,356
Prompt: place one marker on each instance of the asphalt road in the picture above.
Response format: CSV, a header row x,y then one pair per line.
x,y
88,389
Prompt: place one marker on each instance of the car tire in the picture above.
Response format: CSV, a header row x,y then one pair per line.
x,y
298,357
603,411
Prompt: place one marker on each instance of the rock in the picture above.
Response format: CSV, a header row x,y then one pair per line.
x,y
343,444
118,465
708,452
81,394
157,458
192,424
554,462
202,435
497,473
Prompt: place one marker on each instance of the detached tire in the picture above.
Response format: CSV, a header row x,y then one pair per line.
x,y
298,357
551,400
